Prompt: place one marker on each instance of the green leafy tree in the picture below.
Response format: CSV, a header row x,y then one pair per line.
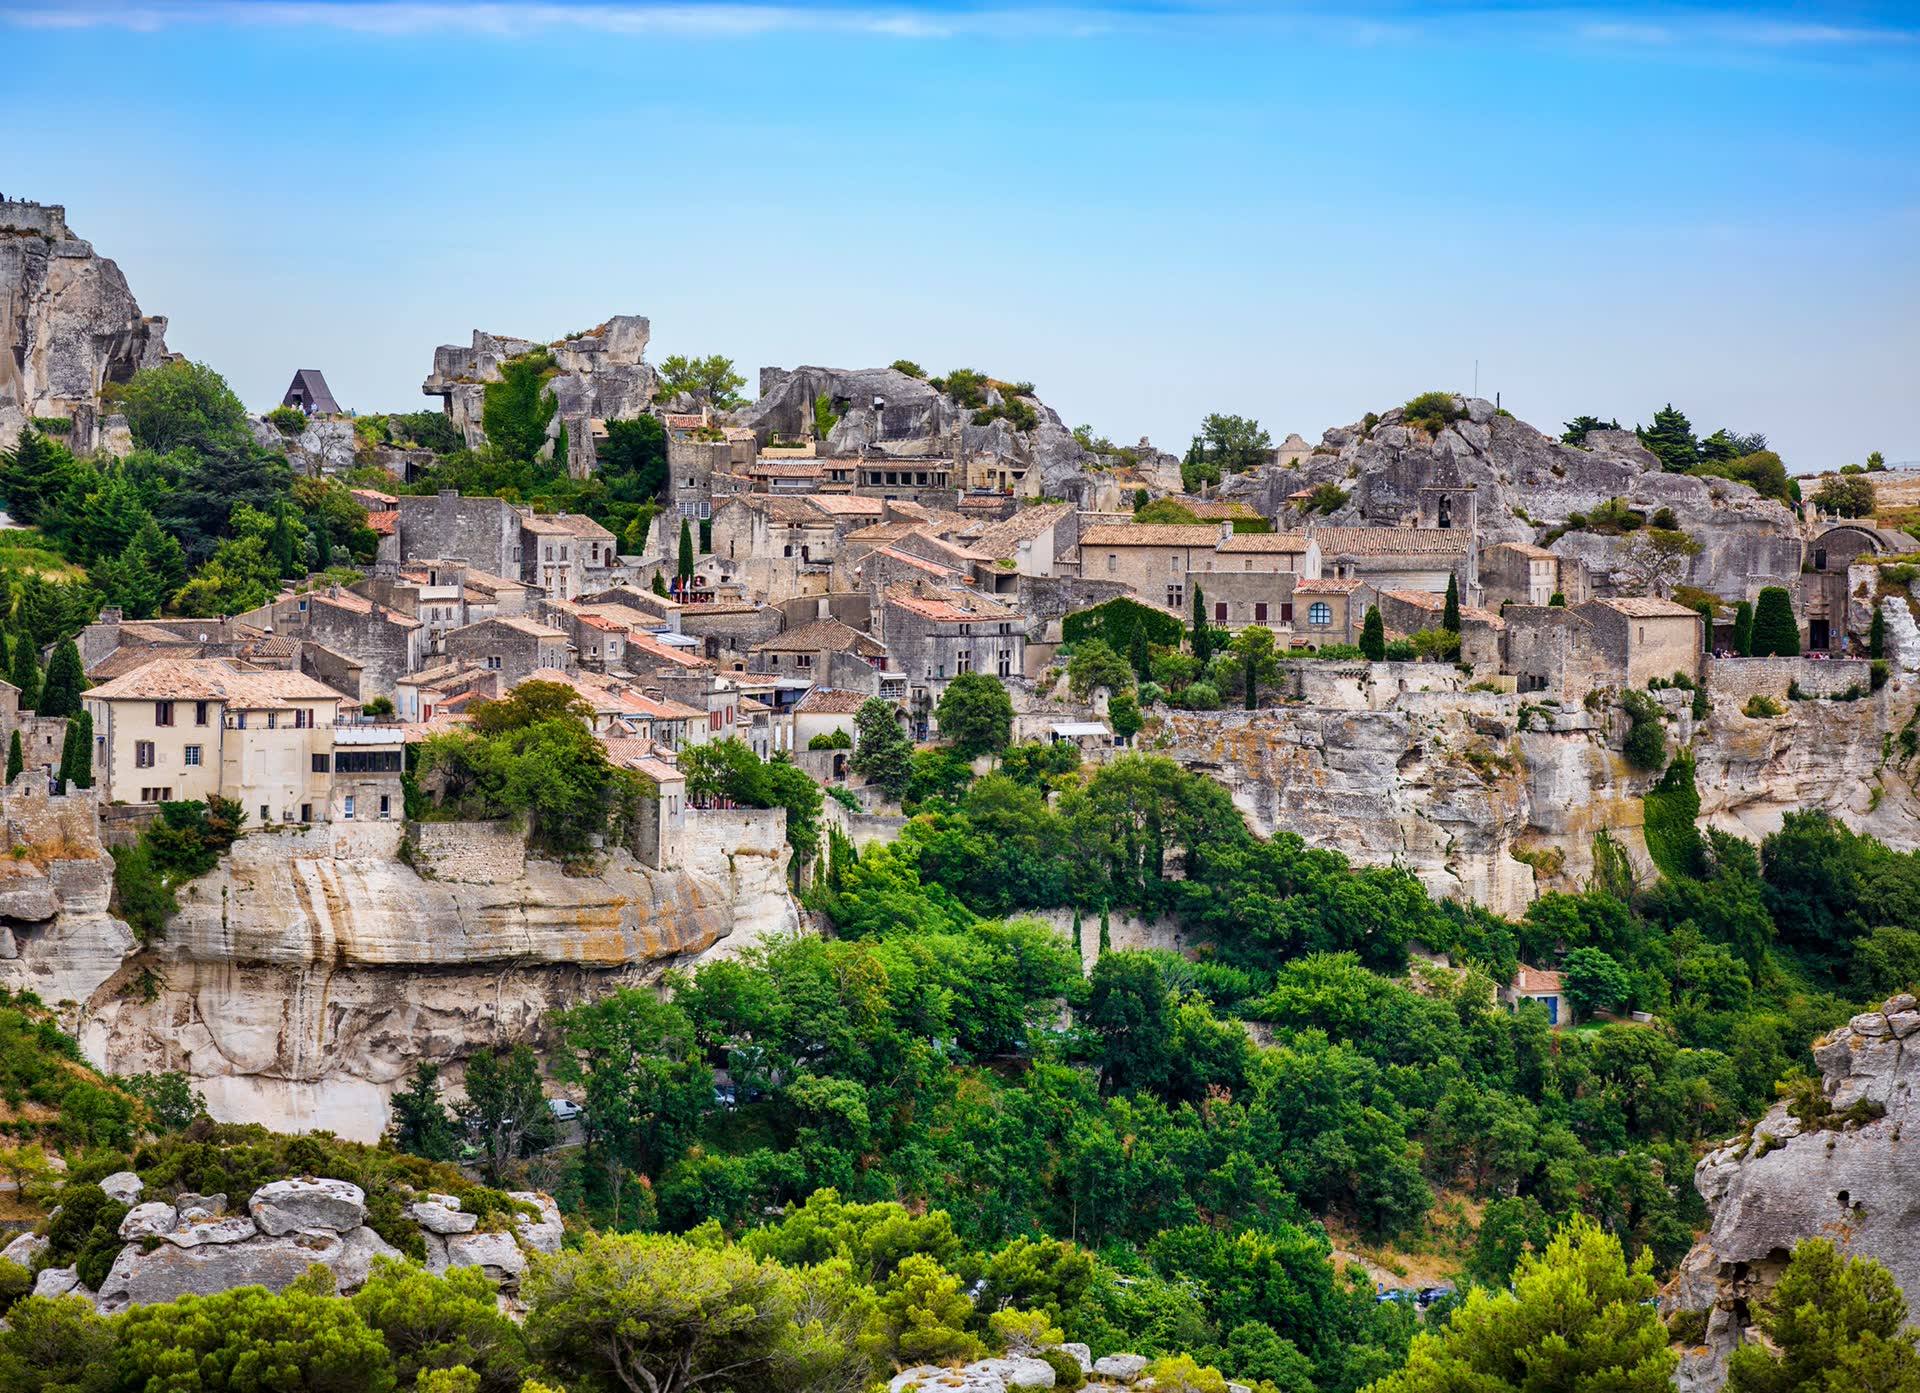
x,y
632,460
1373,636
74,749
926,1312
1846,496
711,380
1837,1323
283,544
1140,654
26,671
975,713
1656,560
1575,1319
685,568
1450,615
1595,979
1775,631
58,1345
1096,665
183,406
1259,663
1743,629
321,541
516,411
1127,1007
1580,426
447,1322
421,1125
506,1111
302,1340
882,753
60,693
1670,439
659,584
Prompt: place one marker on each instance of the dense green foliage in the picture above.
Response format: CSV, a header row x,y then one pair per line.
x,y
1835,1322
1775,631
1115,622
882,752
1225,445
728,770
976,714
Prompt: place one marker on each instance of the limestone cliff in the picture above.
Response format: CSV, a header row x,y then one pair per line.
x,y
68,325
1514,483
303,979
1826,1165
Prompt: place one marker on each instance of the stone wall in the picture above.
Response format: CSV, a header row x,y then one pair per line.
x,y
35,818
1050,599
1736,679
476,853
864,829
715,837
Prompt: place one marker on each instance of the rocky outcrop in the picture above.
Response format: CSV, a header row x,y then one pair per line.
x,y
326,445
301,982
68,325
1514,483
915,419
1827,1165
603,376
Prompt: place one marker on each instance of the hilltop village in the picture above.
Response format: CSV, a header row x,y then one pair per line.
x,y
352,753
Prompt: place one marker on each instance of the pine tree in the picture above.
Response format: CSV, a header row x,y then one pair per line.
x,y
1670,439
685,570
1743,629
26,672
1202,635
16,758
160,552
1106,932
76,760
1373,636
1775,633
60,694
1450,617
1877,634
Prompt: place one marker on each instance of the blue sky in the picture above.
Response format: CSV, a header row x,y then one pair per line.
x,y
1152,211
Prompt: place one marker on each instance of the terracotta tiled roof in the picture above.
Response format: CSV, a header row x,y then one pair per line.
x,y
384,522
214,679
1389,541
1214,510
1526,549
830,701
606,694
1283,543
1647,607
846,505
1199,536
785,469
949,606
1002,539
1327,585
823,634
1529,980
1422,599
567,524
882,531
519,623
356,604
932,568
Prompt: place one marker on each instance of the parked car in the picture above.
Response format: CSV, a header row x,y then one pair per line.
x,y
565,1110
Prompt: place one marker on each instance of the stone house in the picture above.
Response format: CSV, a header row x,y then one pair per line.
x,y
807,651
1523,574
1035,541
824,710
786,476
726,630
659,825
483,532
779,546
934,634
419,696
444,595
1548,648
1247,578
567,554
1636,638
624,709
656,611
1400,558
190,728
368,758
1832,616
1330,610
386,643
511,648
1545,988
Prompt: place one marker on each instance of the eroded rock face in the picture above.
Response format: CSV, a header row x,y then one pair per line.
x,y
68,325
308,1206
301,988
1843,1176
327,445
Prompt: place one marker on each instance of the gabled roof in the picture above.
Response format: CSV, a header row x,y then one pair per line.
x,y
519,623
1001,540
1526,549
355,604
309,390
214,679
1327,585
1269,543
830,701
948,606
1151,534
564,524
1537,979
823,634
1647,607
1389,541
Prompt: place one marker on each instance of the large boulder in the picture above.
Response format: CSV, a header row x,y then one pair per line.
x,y
148,1220
193,1233
441,1215
1124,1368
496,1254
56,1281
123,1187
540,1235
25,1250
1016,1371
171,1270
308,1206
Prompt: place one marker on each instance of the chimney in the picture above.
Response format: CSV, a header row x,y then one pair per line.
x,y
822,609
1226,530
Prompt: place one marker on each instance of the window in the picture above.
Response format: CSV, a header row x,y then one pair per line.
x,y
1249,564
1259,613
306,812
239,720
1286,611
347,808
804,660
1113,562
1173,564
143,754
963,661
273,720
549,555
1320,612
191,756
1006,663
386,805
156,795
1176,596
266,814
493,663
366,762
302,718
1820,559
563,553
199,713
320,763
163,713
1219,611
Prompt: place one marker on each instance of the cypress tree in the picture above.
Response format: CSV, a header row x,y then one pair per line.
x,y
60,695
26,672
1705,610
1373,636
1250,673
1142,655
1450,617
16,758
1202,636
1106,934
280,542
1877,634
1076,934
685,570
1775,633
77,769
322,547
1743,629
659,584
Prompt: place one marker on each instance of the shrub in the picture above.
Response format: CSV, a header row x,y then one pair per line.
x,y
1327,498
909,367
1646,742
1878,670
1066,1369
1774,630
1762,708
831,740
1433,411
288,420
1201,696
